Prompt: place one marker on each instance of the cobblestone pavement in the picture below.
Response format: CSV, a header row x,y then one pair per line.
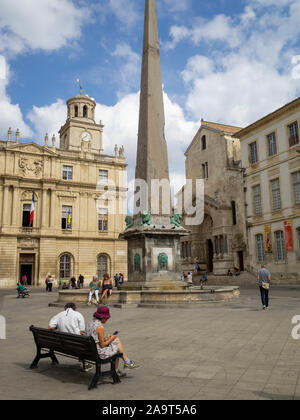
x,y
230,350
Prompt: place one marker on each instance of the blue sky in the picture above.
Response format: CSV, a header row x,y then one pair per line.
x,y
227,61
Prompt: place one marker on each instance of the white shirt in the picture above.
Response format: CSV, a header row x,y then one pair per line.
x,y
68,321
190,278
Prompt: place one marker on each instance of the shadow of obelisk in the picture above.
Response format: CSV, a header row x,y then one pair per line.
x,y
153,234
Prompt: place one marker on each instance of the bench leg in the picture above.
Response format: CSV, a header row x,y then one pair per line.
x,y
96,377
114,374
53,358
36,360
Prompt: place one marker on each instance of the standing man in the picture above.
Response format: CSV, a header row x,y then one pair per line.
x,y
50,283
116,280
264,280
81,280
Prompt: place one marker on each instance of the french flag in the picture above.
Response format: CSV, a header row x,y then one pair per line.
x,y
32,210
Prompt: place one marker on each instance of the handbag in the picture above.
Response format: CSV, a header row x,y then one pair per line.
x,y
265,285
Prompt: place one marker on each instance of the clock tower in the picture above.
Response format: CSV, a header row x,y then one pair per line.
x,y
80,131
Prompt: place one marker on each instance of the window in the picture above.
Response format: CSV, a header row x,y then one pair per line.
x,y
66,217
76,111
67,172
296,184
85,111
26,215
203,142
260,254
65,266
293,134
103,220
103,176
253,153
257,200
272,144
280,245
102,266
233,208
276,198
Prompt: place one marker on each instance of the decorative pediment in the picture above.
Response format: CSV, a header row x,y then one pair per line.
x,y
31,148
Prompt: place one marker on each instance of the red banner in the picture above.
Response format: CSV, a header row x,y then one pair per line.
x,y
288,236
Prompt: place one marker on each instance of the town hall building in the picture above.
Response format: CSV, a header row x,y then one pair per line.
x,y
74,188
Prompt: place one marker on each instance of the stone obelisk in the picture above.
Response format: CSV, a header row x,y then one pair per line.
x,y
153,234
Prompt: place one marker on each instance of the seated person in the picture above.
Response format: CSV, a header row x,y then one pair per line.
x,y
237,271
22,289
109,345
106,287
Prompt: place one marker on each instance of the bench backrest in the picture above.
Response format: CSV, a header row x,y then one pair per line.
x,y
79,346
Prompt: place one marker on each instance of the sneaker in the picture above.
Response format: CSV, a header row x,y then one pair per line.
x,y
129,364
264,307
121,374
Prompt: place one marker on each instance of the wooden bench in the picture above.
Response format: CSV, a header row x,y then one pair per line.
x,y
80,347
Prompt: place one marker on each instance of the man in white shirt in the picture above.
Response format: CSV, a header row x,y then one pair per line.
x,y
69,321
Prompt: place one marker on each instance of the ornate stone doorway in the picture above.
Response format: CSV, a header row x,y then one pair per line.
x,y
27,268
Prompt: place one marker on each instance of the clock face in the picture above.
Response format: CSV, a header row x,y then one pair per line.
x,y
86,136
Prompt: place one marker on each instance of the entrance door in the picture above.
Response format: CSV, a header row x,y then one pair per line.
x,y
241,260
27,267
26,270
210,256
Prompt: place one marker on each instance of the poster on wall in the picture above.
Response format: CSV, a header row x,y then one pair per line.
x,y
288,236
268,240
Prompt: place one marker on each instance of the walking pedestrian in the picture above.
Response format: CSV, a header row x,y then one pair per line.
x,y
264,280
46,283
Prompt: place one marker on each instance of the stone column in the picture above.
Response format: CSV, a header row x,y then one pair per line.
x,y
52,208
5,209
15,206
44,209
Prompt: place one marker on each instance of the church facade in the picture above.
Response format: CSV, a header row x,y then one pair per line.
x,y
219,244
78,194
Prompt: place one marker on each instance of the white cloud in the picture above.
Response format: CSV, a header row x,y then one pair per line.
x,y
253,77
125,11
177,5
11,115
43,24
48,119
220,28
129,71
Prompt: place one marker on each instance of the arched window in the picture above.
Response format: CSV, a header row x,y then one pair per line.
x,y
163,262
260,252
85,111
102,266
65,266
203,142
280,245
76,111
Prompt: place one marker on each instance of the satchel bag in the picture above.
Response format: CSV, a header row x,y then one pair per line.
x,y
265,285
